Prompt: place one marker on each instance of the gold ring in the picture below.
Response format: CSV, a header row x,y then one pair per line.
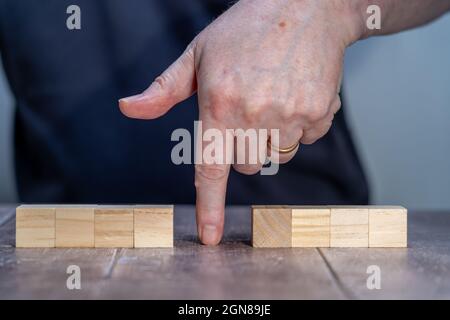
x,y
283,150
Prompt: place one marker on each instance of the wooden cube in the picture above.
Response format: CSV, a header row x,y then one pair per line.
x,y
387,226
310,226
349,226
75,226
114,227
153,226
271,226
35,226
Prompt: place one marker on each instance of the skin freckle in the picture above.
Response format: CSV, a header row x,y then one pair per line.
x,y
282,24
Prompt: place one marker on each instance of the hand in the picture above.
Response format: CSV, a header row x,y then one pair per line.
x,y
262,64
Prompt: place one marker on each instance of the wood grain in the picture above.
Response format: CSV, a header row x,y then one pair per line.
x,y
114,227
271,227
35,226
153,226
310,226
75,226
349,226
387,227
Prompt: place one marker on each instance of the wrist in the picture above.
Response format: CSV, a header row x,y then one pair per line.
x,y
356,18
350,18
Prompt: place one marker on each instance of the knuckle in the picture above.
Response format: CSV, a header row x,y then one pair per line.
x,y
210,172
299,113
314,113
289,111
219,101
337,106
318,113
253,113
218,111
165,82
255,107
315,103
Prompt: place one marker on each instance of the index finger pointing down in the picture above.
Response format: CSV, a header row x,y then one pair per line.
x,y
211,176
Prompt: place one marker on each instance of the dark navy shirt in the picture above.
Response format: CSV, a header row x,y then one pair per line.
x,y
72,144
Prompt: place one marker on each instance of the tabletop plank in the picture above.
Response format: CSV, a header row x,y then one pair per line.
x,y
233,270
41,273
421,271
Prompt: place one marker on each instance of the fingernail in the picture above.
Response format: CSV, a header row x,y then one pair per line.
x,y
134,98
208,234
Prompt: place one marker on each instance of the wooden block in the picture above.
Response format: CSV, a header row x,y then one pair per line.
x,y
153,226
35,226
310,226
271,226
387,227
114,227
75,226
349,226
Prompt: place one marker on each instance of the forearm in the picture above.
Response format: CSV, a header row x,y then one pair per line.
x,y
399,15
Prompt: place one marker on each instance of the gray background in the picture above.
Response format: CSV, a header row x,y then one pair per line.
x,y
397,92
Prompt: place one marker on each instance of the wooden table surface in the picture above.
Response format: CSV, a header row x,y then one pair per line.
x,y
233,270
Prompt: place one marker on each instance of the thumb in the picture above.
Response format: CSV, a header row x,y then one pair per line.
x,y
176,84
